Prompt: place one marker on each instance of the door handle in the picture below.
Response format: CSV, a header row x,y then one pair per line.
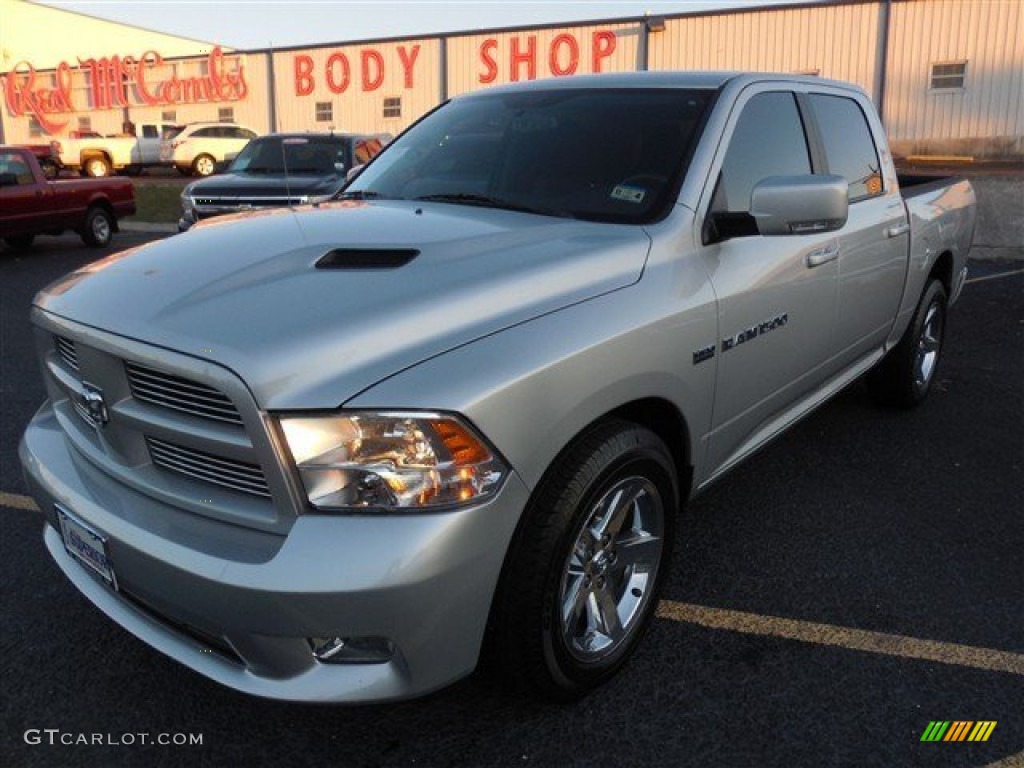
x,y
822,255
898,229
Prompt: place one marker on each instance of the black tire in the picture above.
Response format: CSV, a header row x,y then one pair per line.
x,y
99,228
20,242
204,165
907,373
549,623
96,166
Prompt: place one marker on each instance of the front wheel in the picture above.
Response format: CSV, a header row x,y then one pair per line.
x,y
905,376
582,577
96,167
99,228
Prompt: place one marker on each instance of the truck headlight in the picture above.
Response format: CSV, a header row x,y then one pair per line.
x,y
392,461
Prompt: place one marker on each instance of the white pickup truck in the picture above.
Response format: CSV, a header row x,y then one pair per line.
x,y
332,453
101,156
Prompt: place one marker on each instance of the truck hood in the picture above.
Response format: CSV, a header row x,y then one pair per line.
x,y
247,293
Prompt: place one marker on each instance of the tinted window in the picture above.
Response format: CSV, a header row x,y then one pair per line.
x,y
318,155
768,141
849,148
206,133
14,171
149,132
599,154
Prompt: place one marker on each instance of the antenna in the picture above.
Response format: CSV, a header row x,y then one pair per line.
x,y
287,141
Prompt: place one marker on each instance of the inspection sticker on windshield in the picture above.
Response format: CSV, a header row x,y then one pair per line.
x,y
629,194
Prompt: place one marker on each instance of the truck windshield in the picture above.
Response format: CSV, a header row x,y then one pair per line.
x,y
314,155
596,154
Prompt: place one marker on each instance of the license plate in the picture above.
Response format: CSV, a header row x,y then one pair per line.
x,y
86,546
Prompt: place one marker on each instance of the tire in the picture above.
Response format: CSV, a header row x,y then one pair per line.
x,y
20,242
96,166
581,578
907,373
203,165
98,229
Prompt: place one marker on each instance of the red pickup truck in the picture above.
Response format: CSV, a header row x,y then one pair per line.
x,y
31,205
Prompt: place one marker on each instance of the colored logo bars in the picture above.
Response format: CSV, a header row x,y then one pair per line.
x,y
959,730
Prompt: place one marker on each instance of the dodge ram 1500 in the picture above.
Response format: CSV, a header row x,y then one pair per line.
x,y
341,449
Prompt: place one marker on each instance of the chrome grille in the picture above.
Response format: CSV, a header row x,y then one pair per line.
x,y
67,352
170,391
236,475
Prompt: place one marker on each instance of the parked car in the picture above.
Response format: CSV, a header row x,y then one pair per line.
x,y
279,169
333,453
31,205
198,147
98,156
48,157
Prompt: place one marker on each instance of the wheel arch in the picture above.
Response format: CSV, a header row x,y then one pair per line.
x,y
942,270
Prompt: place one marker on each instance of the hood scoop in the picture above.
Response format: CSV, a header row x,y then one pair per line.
x,y
366,258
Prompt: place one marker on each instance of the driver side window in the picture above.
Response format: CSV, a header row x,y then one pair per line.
x,y
768,140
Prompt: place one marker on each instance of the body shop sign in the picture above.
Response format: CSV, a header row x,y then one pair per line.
x,y
509,58
115,82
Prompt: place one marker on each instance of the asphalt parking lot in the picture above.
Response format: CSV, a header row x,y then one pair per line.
x,y
832,597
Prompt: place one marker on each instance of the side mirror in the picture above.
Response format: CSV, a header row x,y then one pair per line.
x,y
800,205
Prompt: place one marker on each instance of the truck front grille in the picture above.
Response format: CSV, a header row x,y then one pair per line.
x,y
67,352
228,473
170,391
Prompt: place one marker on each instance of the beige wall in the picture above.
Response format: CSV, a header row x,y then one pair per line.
x,y
838,42
45,36
356,80
989,36
478,61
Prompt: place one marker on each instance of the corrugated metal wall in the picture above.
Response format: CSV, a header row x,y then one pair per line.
x,y
362,82
989,36
356,80
838,42
478,61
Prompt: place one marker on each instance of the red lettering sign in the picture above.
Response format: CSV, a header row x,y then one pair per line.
x,y
373,69
303,75
113,82
603,43
487,49
568,42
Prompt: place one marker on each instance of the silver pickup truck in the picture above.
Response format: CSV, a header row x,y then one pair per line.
x,y
337,453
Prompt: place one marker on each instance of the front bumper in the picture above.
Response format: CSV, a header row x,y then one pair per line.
x,y
422,581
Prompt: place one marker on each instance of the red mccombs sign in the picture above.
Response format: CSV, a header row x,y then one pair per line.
x,y
116,81
522,59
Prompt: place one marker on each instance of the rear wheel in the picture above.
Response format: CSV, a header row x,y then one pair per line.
x,y
905,376
581,581
96,166
99,228
203,165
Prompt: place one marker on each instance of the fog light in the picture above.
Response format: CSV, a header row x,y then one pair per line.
x,y
352,650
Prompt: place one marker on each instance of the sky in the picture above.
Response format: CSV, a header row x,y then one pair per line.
x,y
248,24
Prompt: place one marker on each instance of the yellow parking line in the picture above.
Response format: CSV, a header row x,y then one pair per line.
x,y
983,278
844,637
17,502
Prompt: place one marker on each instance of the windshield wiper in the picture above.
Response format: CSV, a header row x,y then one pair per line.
x,y
486,201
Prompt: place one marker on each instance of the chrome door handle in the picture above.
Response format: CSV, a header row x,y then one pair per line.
x,y
823,255
897,230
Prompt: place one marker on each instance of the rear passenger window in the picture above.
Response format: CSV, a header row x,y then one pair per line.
x,y
849,148
768,141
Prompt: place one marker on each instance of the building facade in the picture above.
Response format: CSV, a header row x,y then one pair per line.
x,y
947,75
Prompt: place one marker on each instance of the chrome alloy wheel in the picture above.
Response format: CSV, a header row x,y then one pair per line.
x,y
929,345
610,574
100,229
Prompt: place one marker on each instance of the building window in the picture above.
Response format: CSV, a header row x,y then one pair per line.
x,y
949,76
169,116
34,128
324,111
393,106
85,124
226,115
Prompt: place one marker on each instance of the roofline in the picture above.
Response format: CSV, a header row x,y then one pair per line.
x,y
124,24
